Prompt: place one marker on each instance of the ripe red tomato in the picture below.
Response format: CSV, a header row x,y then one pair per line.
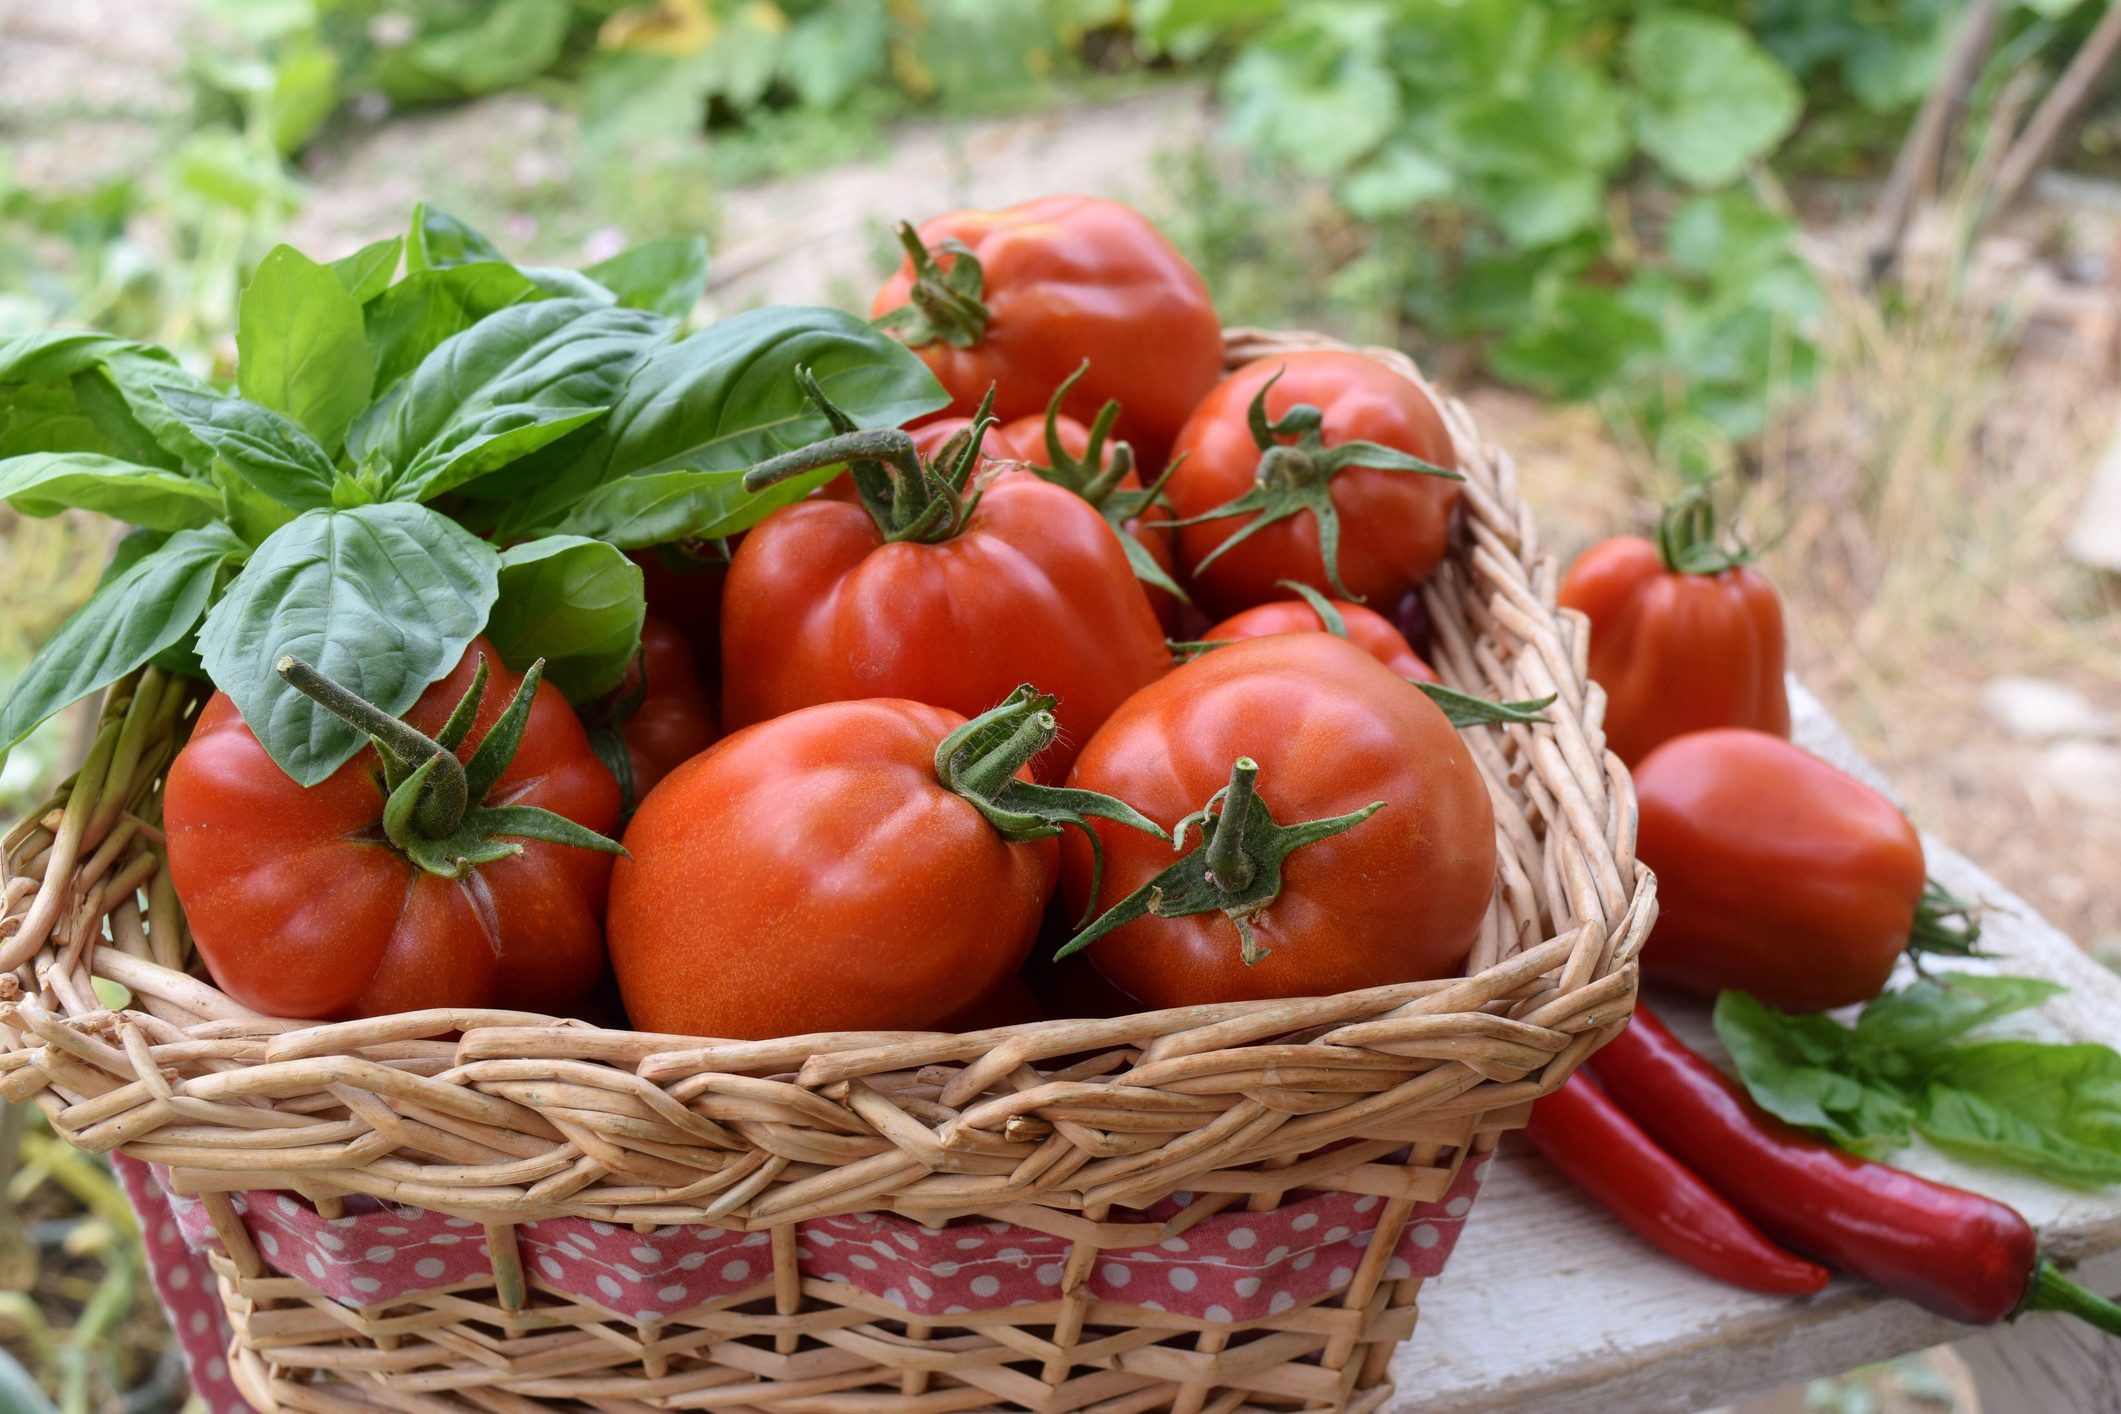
x,y
1777,874
1388,898
1683,637
1050,283
1365,628
1032,586
301,908
1391,524
683,586
658,718
868,869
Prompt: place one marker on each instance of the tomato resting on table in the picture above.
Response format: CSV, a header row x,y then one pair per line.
x,y
1685,636
935,588
873,865
324,902
1777,873
1322,466
1014,300
1366,849
658,718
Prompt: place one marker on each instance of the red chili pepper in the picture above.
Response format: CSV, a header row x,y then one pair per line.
x,y
1607,1155
1956,1253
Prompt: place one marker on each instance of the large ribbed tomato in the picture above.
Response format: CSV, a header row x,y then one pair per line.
x,y
1269,448
1049,284
858,865
1271,909
301,907
937,587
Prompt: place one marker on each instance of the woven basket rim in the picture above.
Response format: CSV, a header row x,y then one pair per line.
x,y
880,1118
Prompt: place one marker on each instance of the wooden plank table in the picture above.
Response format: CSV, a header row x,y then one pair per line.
x,y
1549,1306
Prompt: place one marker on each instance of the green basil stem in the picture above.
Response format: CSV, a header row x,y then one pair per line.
x,y
1229,867
2049,1290
447,795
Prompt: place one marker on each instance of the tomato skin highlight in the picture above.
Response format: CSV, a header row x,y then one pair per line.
x,y
1397,897
676,718
1777,873
1678,652
1069,278
849,889
1394,524
300,908
1367,629
1036,588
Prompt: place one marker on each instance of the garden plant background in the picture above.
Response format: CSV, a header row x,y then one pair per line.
x,y
1644,239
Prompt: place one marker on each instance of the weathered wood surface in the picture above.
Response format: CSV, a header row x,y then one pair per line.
x,y
1549,1306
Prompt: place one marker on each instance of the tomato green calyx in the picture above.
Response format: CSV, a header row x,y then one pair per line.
x,y
908,498
1296,477
943,304
1686,536
1097,481
979,761
1235,871
435,812
2049,1290
1945,925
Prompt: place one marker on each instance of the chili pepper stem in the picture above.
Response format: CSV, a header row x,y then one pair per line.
x,y
1227,863
2049,1290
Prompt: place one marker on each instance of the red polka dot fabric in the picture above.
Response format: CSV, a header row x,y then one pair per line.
x,y
1233,1266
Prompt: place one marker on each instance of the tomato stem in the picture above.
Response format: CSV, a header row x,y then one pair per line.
x,y
994,768
446,794
942,305
1229,867
1945,924
1686,536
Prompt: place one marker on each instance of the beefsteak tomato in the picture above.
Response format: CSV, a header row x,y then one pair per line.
x,y
1355,844
471,881
880,864
1014,300
933,589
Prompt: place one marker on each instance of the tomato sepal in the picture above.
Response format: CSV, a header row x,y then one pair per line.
x,y
1945,925
1686,536
1235,870
1297,477
943,305
435,812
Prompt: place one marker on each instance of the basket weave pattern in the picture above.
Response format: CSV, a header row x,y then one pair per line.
x,y
1069,1128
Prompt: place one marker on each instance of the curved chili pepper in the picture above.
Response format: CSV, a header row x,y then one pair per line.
x,y
1956,1253
1606,1154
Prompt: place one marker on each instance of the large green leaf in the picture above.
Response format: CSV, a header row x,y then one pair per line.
x,y
575,603
1708,99
666,277
719,402
366,273
501,389
384,598
1314,90
113,382
268,452
47,417
408,321
46,483
146,608
301,345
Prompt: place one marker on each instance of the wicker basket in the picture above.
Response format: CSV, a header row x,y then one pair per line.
x,y
1103,1135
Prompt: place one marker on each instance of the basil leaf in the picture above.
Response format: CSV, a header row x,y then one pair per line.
x,y
662,506
95,365
1933,1010
2053,1109
143,610
439,241
575,603
410,320
719,402
54,354
302,346
268,452
501,389
667,276
366,273
383,597
139,374
46,483
1803,1069
47,417
118,432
